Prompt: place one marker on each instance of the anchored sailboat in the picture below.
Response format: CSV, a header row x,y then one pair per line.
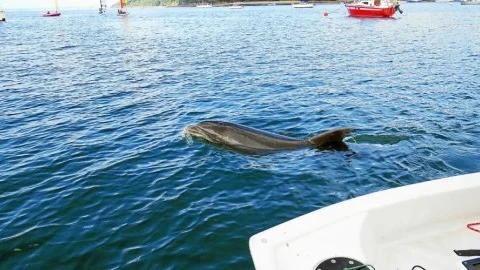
x,y
122,11
2,15
103,6
53,14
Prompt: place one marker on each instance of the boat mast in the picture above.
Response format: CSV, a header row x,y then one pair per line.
x,y
56,6
103,6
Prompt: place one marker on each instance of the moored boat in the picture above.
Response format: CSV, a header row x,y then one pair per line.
x,y
303,4
103,7
470,2
434,225
204,5
53,14
373,8
236,6
2,15
122,11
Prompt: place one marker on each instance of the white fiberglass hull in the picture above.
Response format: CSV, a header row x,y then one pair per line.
x,y
394,229
470,2
303,5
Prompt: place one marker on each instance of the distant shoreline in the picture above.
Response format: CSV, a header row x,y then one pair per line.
x,y
249,3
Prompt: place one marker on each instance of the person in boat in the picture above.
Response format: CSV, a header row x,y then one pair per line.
x,y
48,12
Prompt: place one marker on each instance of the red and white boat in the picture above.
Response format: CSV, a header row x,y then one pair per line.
x,y
53,14
373,8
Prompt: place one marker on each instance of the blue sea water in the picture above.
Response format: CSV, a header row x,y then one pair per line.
x,y
96,174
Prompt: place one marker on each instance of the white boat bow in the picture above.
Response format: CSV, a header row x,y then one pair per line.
x,y
420,224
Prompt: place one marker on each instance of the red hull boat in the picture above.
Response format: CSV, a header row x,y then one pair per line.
x,y
357,11
53,14
373,9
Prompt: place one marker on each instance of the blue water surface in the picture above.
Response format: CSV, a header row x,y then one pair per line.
x,y
95,172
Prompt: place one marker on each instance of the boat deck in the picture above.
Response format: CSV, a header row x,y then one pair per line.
x,y
395,229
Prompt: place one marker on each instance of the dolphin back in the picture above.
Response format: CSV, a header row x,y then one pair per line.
x,y
332,139
254,141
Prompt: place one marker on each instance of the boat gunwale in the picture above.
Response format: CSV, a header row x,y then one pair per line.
x,y
263,245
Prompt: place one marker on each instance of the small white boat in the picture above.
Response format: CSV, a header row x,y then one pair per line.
x,y
203,5
103,7
470,2
2,15
236,6
434,225
303,4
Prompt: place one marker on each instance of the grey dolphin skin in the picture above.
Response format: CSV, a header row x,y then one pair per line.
x,y
254,141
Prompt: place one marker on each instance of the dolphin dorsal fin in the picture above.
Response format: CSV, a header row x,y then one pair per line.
x,y
331,139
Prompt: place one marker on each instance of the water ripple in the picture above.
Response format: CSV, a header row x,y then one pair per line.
x,y
96,173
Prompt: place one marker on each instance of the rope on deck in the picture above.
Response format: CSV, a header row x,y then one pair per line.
x,y
470,226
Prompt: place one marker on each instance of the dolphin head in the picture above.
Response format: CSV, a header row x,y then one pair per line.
x,y
212,131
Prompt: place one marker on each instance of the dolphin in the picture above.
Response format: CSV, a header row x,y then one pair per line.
x,y
254,141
